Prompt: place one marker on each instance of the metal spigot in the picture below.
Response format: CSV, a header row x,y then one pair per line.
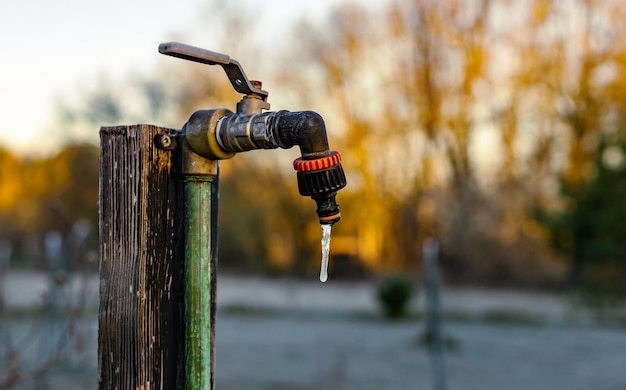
x,y
219,134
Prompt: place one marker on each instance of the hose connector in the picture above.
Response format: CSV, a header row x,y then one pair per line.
x,y
321,178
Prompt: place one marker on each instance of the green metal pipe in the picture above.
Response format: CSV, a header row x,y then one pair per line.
x,y
200,224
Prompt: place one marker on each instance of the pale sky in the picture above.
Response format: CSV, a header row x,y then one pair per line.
x,y
50,47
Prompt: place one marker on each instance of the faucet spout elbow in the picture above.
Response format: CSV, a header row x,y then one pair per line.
x,y
305,129
319,171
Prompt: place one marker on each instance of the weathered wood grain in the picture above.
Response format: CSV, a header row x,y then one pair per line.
x,y
140,336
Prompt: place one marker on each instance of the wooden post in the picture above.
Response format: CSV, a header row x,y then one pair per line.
x,y
140,336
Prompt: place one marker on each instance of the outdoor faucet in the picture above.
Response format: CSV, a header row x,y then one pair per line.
x,y
218,134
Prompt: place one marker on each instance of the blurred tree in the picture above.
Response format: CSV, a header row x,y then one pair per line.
x,y
405,88
47,193
264,224
590,228
410,91
138,98
414,89
10,189
351,74
575,74
259,197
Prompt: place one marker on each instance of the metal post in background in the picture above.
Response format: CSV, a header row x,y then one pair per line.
x,y
434,337
6,248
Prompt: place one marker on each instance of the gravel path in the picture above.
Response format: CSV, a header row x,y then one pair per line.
x,y
324,353
285,334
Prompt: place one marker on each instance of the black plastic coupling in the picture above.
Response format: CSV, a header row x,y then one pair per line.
x,y
321,178
303,128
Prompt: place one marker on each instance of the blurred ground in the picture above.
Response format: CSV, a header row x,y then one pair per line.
x,y
286,334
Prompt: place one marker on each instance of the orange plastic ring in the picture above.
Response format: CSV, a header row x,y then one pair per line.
x,y
330,217
317,164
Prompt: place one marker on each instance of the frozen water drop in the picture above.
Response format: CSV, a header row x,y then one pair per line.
x,y
325,251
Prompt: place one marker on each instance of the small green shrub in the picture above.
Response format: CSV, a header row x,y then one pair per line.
x,y
394,294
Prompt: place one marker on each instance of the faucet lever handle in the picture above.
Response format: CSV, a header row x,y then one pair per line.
x,y
233,69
